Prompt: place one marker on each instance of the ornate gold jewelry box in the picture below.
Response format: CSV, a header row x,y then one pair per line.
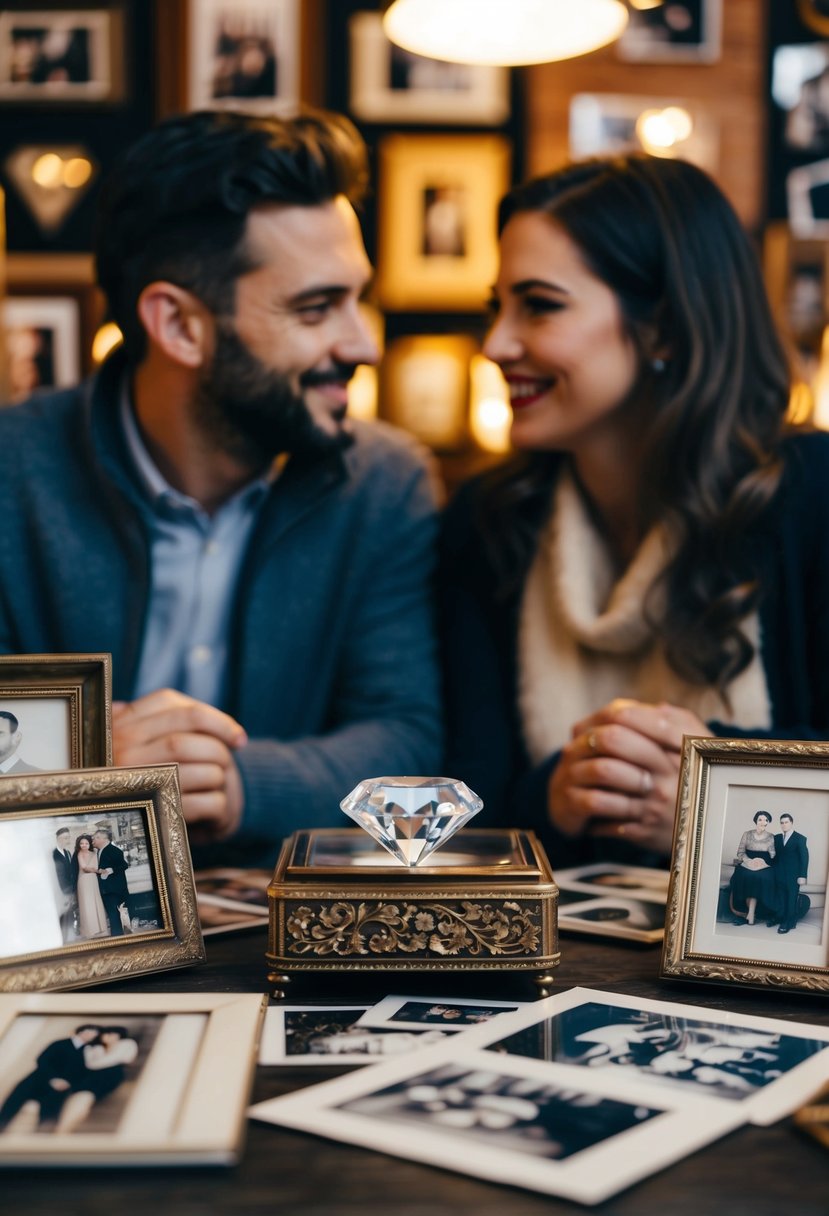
x,y
338,902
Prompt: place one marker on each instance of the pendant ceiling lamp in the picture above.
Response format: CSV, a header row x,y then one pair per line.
x,y
507,32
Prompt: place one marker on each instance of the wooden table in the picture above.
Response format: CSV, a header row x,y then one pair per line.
x,y
756,1171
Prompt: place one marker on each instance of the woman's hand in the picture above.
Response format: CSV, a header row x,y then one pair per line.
x,y
618,775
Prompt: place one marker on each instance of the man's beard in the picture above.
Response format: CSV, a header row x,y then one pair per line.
x,y
253,413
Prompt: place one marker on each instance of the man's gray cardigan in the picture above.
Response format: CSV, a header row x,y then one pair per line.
x,y
331,660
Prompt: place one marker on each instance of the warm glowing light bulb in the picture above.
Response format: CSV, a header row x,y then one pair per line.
x,y
106,339
659,131
76,172
489,413
47,171
362,393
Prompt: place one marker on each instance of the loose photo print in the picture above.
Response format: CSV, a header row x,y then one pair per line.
x,y
230,899
114,1080
613,900
77,879
413,1013
583,1135
332,1034
766,1066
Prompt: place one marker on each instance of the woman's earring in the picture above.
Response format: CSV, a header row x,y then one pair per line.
x,y
658,366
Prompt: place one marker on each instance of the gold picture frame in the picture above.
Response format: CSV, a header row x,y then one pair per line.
x,y
711,931
437,244
62,704
180,1078
815,14
136,857
424,387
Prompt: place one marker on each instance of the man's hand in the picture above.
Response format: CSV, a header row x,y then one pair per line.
x,y
167,727
59,1084
618,775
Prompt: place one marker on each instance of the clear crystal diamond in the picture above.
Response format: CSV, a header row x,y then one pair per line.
x,y
411,816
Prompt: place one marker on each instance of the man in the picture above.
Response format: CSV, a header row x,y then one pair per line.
x,y
791,865
60,1069
67,880
10,739
258,565
112,867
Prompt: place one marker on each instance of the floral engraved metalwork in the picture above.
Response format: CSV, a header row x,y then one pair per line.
x,y
467,928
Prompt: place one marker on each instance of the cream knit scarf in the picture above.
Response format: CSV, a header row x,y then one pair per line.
x,y
583,638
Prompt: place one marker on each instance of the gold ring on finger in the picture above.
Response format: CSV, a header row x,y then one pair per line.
x,y
647,781
592,742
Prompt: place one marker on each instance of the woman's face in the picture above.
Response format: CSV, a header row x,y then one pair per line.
x,y
762,822
83,845
560,339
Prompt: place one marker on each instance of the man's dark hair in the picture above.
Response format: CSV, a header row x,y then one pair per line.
x,y
61,832
87,1026
175,205
103,832
10,718
786,815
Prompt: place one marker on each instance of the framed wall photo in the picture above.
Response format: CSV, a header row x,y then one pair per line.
x,y
58,55
604,124
388,84
747,902
438,201
55,712
796,273
154,1079
66,276
245,54
425,387
807,198
682,31
42,344
95,877
800,88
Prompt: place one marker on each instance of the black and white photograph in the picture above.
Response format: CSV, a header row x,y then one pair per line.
x,y
800,88
59,55
390,84
614,878
807,198
230,899
42,344
583,1134
678,31
244,54
408,1012
636,919
313,1035
766,1066
111,1080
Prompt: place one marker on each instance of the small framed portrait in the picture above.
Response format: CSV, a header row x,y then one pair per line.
x,y
424,387
391,85
678,31
800,88
95,877
243,55
807,198
583,1134
42,344
310,1035
605,124
140,1079
438,200
747,901
60,55
814,14
55,712
421,1012
796,272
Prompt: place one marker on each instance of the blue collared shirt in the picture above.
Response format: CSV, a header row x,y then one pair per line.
x,y
195,563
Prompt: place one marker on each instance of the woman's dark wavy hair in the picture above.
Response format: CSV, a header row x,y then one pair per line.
x,y
663,237
175,205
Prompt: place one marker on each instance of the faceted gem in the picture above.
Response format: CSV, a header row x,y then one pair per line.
x,y
411,816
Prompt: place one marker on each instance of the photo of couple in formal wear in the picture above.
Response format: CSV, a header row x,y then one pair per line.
x,y
68,1075
770,885
103,885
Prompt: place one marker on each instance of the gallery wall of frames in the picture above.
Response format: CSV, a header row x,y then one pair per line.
x,y
741,88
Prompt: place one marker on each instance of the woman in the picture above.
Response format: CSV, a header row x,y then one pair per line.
x,y
752,882
105,1060
91,912
653,562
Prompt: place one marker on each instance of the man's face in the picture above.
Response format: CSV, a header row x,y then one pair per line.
x,y
63,840
87,1034
785,823
9,739
99,840
277,381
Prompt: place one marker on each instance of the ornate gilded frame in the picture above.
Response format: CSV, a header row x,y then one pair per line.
x,y
147,801
816,16
722,783
83,681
